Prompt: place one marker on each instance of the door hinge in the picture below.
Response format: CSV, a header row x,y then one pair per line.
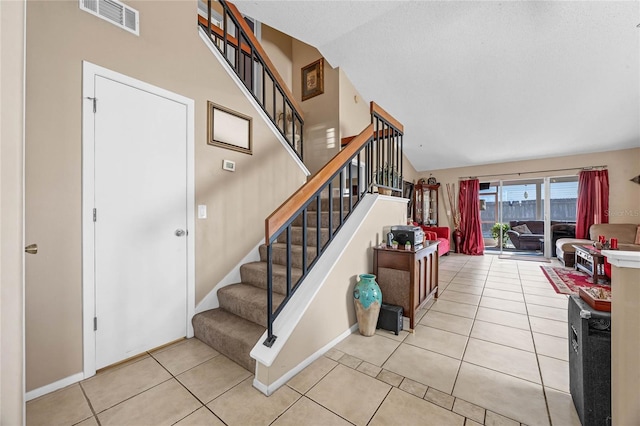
x,y
95,323
95,214
95,103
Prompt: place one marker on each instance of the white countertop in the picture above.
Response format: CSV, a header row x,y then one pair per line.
x,y
623,259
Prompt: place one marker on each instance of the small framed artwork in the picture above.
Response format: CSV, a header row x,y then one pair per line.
x,y
313,79
228,129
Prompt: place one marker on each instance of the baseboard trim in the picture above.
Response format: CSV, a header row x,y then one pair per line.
x,y
51,387
269,389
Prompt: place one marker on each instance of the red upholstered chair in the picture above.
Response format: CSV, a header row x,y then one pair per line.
x,y
438,233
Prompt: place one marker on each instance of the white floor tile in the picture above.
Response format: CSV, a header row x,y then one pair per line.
x,y
509,396
507,360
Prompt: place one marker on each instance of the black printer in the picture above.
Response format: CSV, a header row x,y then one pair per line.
x,y
413,234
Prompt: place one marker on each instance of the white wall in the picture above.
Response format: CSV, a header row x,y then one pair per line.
x,y
12,24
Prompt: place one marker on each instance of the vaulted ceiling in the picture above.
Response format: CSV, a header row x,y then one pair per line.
x,y
478,82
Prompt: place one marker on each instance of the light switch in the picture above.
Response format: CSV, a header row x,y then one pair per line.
x,y
202,211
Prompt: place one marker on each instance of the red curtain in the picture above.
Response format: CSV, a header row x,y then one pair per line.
x,y
593,200
470,225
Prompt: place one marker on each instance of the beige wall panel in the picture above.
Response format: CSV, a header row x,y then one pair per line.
x,y
354,110
280,50
624,195
170,54
320,325
321,113
408,172
12,25
625,345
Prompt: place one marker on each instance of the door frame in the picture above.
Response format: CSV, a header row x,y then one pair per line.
x,y
89,72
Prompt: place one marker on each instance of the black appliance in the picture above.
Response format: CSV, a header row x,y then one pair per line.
x,y
413,234
590,362
390,318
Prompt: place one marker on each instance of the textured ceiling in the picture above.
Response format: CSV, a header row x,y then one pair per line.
x,y
483,82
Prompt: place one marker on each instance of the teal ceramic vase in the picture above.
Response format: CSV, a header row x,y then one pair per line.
x,y
367,299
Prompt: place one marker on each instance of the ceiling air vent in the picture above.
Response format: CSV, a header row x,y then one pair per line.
x,y
115,12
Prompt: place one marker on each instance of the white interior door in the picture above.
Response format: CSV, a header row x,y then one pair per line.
x,y
140,227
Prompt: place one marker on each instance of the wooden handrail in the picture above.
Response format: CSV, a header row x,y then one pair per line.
x,y
345,141
382,134
231,40
267,62
374,107
279,217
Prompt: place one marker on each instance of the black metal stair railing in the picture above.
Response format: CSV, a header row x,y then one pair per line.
x,y
371,151
233,37
387,165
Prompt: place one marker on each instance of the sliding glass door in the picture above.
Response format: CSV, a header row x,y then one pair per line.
x,y
518,215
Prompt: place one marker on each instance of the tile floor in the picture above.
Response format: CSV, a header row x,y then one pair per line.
x,y
492,350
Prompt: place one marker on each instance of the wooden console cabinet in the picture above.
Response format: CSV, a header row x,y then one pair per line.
x,y
407,278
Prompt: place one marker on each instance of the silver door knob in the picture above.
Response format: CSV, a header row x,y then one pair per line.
x,y
31,249
180,232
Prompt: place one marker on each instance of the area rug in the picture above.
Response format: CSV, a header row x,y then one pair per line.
x,y
567,281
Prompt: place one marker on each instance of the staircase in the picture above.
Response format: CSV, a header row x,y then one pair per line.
x,y
235,327
299,231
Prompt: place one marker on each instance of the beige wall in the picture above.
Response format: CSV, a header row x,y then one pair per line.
x,y
279,47
170,54
354,111
624,196
320,326
11,223
625,343
409,173
321,113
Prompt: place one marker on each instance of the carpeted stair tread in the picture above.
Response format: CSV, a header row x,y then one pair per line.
x,y
255,274
247,301
324,201
280,254
229,334
312,217
239,323
296,236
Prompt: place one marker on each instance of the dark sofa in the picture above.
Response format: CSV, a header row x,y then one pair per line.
x,y
531,240
526,240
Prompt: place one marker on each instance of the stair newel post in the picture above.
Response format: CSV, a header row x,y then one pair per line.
x,y
270,337
288,260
